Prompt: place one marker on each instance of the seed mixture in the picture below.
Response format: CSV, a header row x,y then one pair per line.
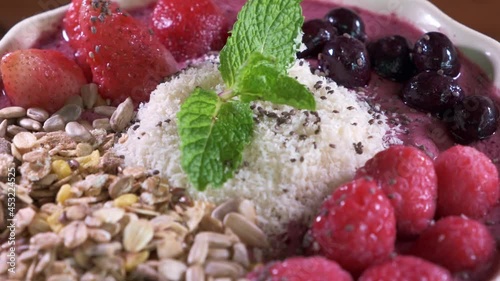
x,y
82,214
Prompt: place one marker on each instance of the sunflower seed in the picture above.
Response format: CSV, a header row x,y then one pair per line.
x,y
53,124
227,207
89,94
223,269
76,100
248,232
198,252
29,124
102,123
240,254
78,132
14,130
122,116
172,269
105,110
219,254
195,273
12,112
247,209
69,112
37,114
215,240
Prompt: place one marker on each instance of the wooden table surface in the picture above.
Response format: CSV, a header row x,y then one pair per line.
x,y
481,15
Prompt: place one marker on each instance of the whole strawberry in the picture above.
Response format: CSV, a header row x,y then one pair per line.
x,y
125,58
40,78
189,29
407,176
467,182
301,269
457,243
356,226
406,268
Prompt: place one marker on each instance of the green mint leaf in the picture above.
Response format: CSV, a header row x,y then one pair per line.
x,y
213,135
269,27
259,79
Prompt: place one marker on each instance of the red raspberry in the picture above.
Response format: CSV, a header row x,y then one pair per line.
x,y
467,182
457,243
301,269
406,268
407,176
356,225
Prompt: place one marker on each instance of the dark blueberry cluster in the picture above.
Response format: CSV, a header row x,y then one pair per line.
x,y
428,70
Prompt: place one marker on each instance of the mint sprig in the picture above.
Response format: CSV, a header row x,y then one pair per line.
x,y
269,27
258,79
215,128
213,134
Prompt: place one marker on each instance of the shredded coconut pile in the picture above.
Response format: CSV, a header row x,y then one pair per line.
x,y
295,159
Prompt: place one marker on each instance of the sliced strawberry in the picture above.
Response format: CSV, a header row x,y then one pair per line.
x,y
189,29
125,58
71,23
40,78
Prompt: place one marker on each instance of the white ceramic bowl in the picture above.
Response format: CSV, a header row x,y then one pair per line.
x,y
479,48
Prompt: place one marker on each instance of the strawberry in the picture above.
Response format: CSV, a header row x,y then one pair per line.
x,y
40,78
189,29
356,226
457,243
467,182
406,268
125,58
301,269
71,23
407,176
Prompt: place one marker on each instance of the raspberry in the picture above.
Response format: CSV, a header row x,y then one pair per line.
x,y
356,225
457,243
407,176
301,269
467,182
406,268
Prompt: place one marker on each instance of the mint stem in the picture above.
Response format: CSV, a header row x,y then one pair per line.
x,y
226,95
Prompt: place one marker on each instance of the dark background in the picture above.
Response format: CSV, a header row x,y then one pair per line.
x,y
481,15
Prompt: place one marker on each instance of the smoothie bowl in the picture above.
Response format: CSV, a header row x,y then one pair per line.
x,y
141,140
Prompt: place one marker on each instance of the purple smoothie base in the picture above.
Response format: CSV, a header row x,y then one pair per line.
x,y
415,128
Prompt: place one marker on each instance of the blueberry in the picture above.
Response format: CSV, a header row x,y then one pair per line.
x,y
434,52
316,33
432,92
390,58
345,60
474,118
347,21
